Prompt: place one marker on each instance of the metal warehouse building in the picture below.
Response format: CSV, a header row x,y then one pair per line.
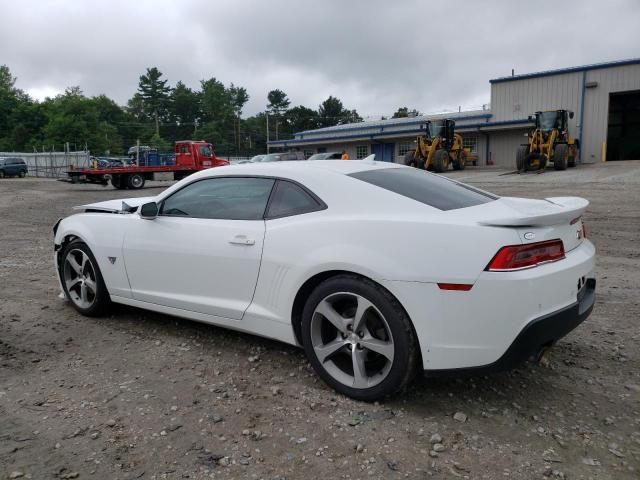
x,y
605,99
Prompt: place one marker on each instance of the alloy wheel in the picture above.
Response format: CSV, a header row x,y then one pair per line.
x,y
80,279
352,340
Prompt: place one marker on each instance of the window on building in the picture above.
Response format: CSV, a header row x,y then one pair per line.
x,y
307,154
404,147
362,151
470,143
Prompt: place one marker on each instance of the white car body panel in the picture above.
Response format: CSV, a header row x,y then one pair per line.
x,y
187,267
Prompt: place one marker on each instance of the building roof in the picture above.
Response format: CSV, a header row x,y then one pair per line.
x,y
560,71
382,128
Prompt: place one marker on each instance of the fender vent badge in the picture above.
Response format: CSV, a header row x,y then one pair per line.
x,y
112,260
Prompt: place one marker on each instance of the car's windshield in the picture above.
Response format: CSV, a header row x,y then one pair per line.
x,y
320,156
435,128
257,158
205,151
548,120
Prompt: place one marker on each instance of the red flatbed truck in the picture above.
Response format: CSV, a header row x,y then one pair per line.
x,y
189,156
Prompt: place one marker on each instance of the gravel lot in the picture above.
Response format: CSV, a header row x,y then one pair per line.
x,y
143,395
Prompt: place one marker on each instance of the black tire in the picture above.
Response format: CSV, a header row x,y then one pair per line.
x,y
2,174
100,302
135,181
441,161
401,369
22,174
521,157
461,160
409,159
560,156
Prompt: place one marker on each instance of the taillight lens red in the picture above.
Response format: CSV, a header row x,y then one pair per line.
x,y
518,257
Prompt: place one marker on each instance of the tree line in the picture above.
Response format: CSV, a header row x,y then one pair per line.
x,y
158,114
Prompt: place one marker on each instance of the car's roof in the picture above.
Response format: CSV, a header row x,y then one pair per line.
x,y
298,168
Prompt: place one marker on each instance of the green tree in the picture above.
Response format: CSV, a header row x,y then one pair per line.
x,y
300,118
239,97
278,104
332,112
217,115
404,112
184,112
153,96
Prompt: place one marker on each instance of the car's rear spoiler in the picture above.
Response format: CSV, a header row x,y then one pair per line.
x,y
522,212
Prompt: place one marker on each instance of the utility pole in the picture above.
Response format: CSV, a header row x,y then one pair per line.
x,y
267,114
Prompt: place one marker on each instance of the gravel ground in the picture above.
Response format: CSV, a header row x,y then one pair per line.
x,y
143,395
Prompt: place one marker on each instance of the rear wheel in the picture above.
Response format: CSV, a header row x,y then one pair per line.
x,y
441,161
521,157
135,181
358,338
409,159
82,281
560,156
1,173
22,174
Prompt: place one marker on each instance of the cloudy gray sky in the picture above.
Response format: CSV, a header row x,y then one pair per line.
x,y
375,55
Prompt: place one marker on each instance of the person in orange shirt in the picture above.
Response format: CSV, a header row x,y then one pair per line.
x,y
345,155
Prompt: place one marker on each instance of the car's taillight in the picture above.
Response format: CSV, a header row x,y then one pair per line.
x,y
518,257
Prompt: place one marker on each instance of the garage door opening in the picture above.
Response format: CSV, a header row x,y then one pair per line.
x,y
623,137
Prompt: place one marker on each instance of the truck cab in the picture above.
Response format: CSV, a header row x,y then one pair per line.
x,y
197,155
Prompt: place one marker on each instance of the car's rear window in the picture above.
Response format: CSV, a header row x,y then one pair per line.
x,y
433,190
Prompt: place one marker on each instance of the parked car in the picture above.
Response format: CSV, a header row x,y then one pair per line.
x,y
326,156
330,256
283,157
13,167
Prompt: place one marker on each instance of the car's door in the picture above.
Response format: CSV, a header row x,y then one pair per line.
x,y
10,168
202,252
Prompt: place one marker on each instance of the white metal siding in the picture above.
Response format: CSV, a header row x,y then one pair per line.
x,y
504,145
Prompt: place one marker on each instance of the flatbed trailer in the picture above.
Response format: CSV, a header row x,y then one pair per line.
x,y
190,157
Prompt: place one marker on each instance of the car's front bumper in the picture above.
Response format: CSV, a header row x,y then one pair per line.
x,y
534,338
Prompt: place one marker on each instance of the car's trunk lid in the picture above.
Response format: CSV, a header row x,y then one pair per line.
x,y
534,220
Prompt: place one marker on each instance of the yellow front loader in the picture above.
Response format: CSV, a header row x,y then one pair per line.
x,y
438,148
549,143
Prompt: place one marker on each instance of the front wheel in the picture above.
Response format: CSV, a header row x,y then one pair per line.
x,y
82,281
22,174
441,161
560,156
1,173
358,338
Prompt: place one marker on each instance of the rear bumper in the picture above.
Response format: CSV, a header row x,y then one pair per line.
x,y
537,335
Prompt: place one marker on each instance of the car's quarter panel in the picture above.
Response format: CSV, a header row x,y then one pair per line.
x,y
474,328
103,233
406,248
194,264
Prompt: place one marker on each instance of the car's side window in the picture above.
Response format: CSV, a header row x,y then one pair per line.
x,y
228,198
291,199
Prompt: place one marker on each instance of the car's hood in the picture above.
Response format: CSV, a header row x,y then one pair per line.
x,y
121,205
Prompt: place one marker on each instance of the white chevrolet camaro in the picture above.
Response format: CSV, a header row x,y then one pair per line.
x,y
378,270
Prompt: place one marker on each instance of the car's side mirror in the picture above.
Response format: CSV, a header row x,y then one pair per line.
x,y
570,114
531,119
149,211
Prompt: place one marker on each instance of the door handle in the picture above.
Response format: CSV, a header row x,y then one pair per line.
x,y
242,240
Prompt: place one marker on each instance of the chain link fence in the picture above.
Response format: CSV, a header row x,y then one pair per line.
x,y
50,164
